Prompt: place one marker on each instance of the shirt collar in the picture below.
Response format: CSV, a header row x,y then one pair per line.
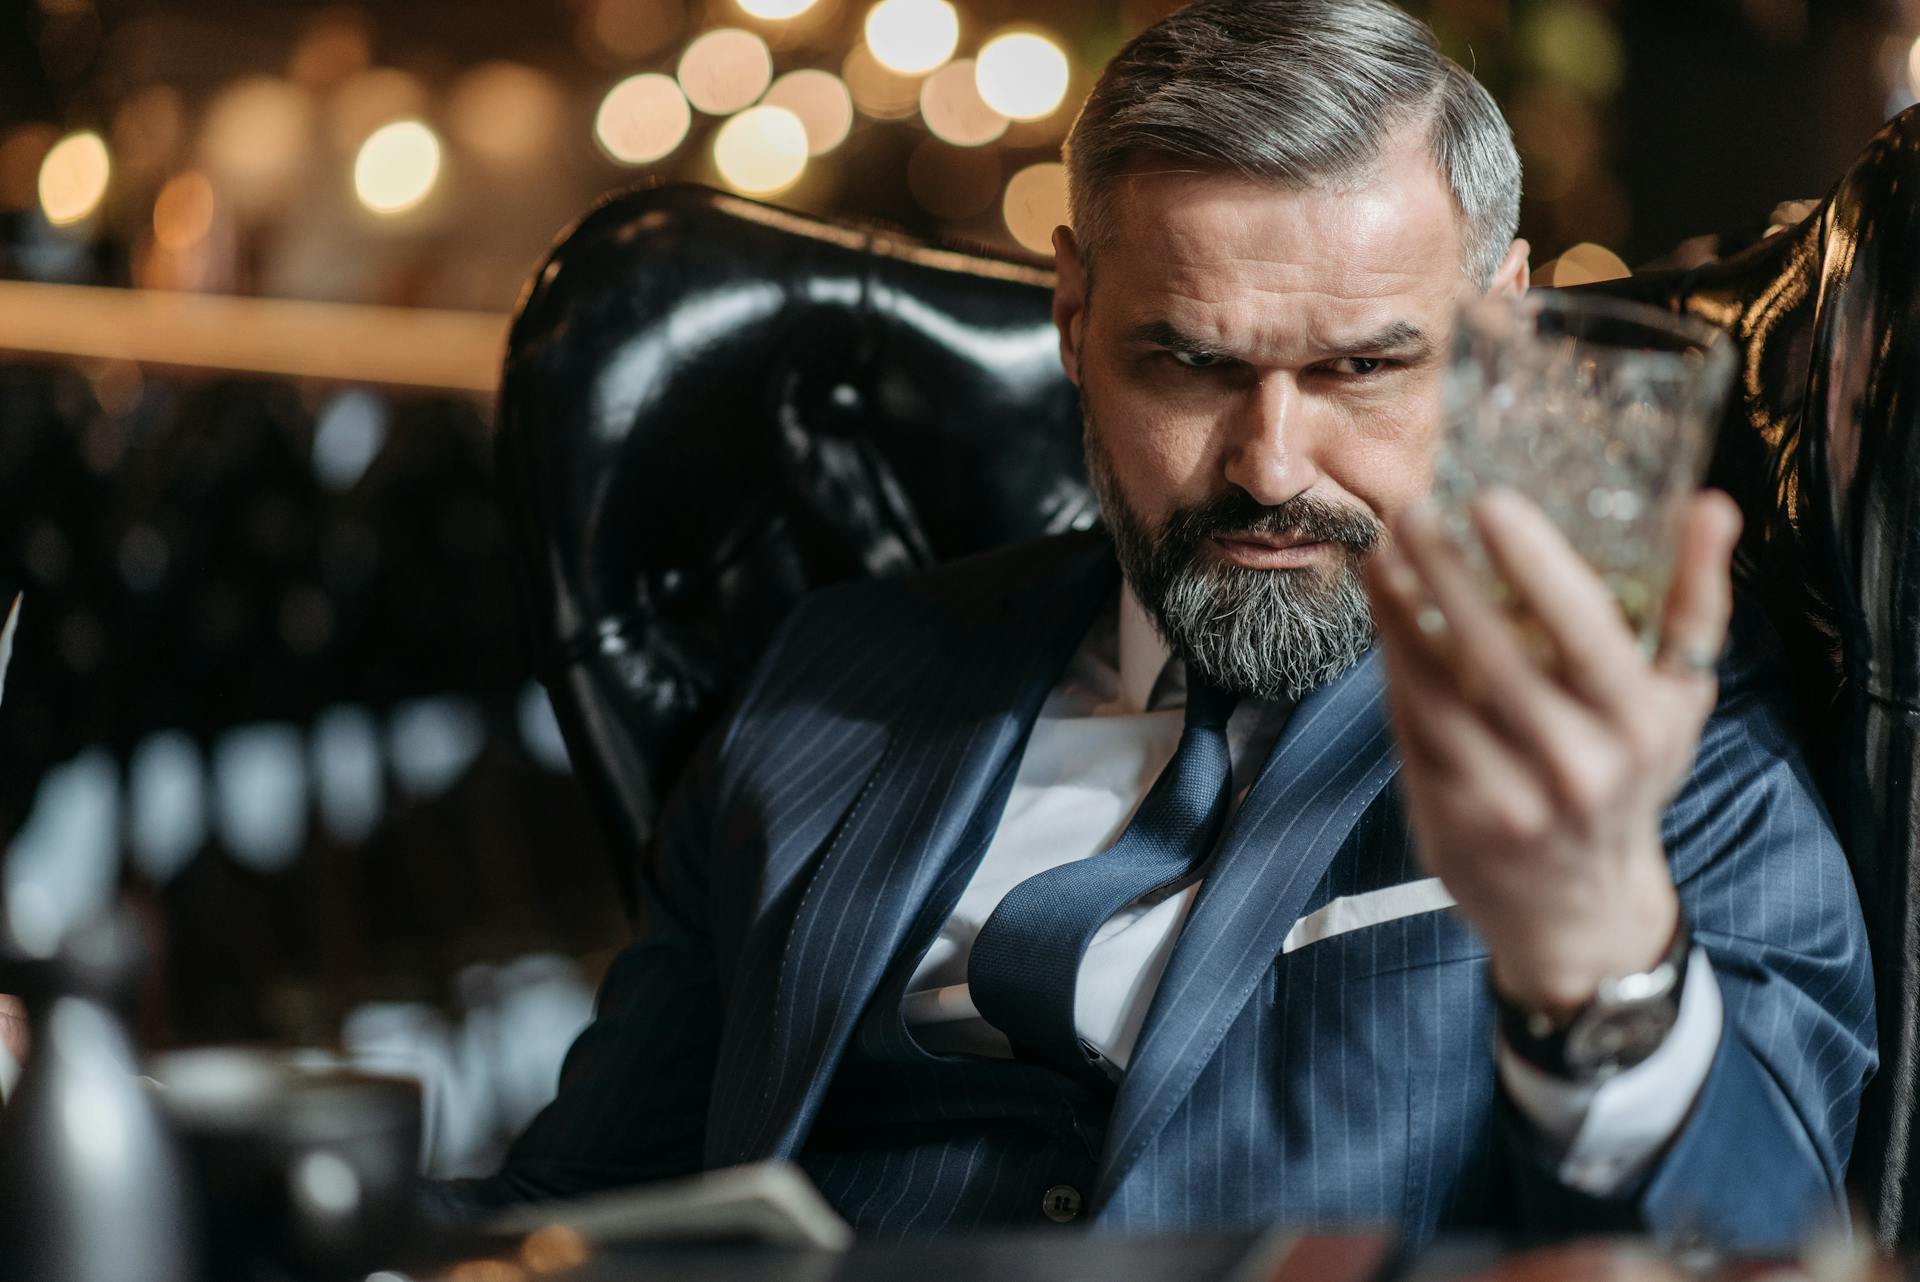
x,y
1143,655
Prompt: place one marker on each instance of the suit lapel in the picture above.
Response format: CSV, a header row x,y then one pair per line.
x,y
1331,762
974,704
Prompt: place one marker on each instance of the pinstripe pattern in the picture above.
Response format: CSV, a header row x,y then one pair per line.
x,y
812,852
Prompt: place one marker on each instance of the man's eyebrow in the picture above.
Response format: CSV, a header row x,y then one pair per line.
x,y
1162,333
1399,338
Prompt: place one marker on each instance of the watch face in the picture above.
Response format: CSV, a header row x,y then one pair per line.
x,y
1618,1037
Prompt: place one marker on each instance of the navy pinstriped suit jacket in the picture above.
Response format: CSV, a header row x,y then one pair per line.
x,y
1348,1081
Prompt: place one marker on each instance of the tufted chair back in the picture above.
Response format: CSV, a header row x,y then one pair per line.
x,y
711,407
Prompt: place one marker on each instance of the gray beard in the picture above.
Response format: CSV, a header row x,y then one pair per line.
x,y
1262,634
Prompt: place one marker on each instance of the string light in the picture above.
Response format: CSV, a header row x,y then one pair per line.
x,y
1022,75
725,70
1036,203
642,119
74,178
822,102
775,10
881,93
255,139
912,37
761,151
951,104
397,167
183,212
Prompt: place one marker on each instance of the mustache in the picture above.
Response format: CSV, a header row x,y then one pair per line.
x,y
1305,516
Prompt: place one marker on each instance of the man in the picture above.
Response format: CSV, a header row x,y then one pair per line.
x,y
1026,890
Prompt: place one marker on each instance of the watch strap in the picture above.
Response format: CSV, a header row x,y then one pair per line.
x,y
1543,1042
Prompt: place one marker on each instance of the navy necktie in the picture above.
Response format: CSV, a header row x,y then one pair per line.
x,y
1025,962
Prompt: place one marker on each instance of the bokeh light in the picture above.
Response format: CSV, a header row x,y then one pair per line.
x,y
951,104
643,119
1584,264
506,114
369,99
183,211
554,1248
881,93
1576,46
912,37
623,30
74,178
1036,203
255,141
761,151
1023,75
953,182
775,10
725,70
822,102
397,167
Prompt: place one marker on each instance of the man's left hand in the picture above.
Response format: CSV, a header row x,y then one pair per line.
x,y
1535,790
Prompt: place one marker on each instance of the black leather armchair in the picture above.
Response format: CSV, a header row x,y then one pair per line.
x,y
711,406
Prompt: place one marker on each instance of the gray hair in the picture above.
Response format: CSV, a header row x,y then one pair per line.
x,y
1299,93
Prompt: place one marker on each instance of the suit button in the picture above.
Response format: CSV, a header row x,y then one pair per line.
x,y
1061,1203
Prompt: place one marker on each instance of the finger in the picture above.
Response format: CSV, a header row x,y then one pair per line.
x,y
1434,725
1598,657
1700,601
1407,621
13,1027
1455,768
1491,667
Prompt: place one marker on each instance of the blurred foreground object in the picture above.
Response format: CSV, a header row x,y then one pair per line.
x,y
302,1164
6,642
92,1182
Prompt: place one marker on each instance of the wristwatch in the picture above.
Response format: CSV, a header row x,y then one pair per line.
x,y
1625,1021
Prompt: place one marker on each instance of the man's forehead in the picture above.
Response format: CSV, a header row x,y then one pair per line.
x,y
1392,229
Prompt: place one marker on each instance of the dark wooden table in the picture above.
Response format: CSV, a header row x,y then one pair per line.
x,y
1076,1256
1038,1256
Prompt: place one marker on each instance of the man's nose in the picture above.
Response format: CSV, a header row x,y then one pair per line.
x,y
1270,454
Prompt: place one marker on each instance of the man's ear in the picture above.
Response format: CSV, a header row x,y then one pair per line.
x,y
1069,300
1513,276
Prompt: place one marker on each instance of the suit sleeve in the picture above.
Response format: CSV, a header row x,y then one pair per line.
x,y
1761,1158
632,1102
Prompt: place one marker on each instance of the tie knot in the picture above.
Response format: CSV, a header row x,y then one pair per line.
x,y
1208,706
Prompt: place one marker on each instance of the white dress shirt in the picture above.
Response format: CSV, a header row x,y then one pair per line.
x,y
1105,733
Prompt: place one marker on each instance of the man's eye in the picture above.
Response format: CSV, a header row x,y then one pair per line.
x,y
1197,360
1359,366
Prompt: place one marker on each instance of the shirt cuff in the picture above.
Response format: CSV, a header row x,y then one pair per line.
x,y
1608,1133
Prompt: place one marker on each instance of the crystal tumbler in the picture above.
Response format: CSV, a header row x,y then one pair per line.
x,y
1601,411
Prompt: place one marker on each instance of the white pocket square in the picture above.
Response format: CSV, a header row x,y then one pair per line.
x,y
1357,912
